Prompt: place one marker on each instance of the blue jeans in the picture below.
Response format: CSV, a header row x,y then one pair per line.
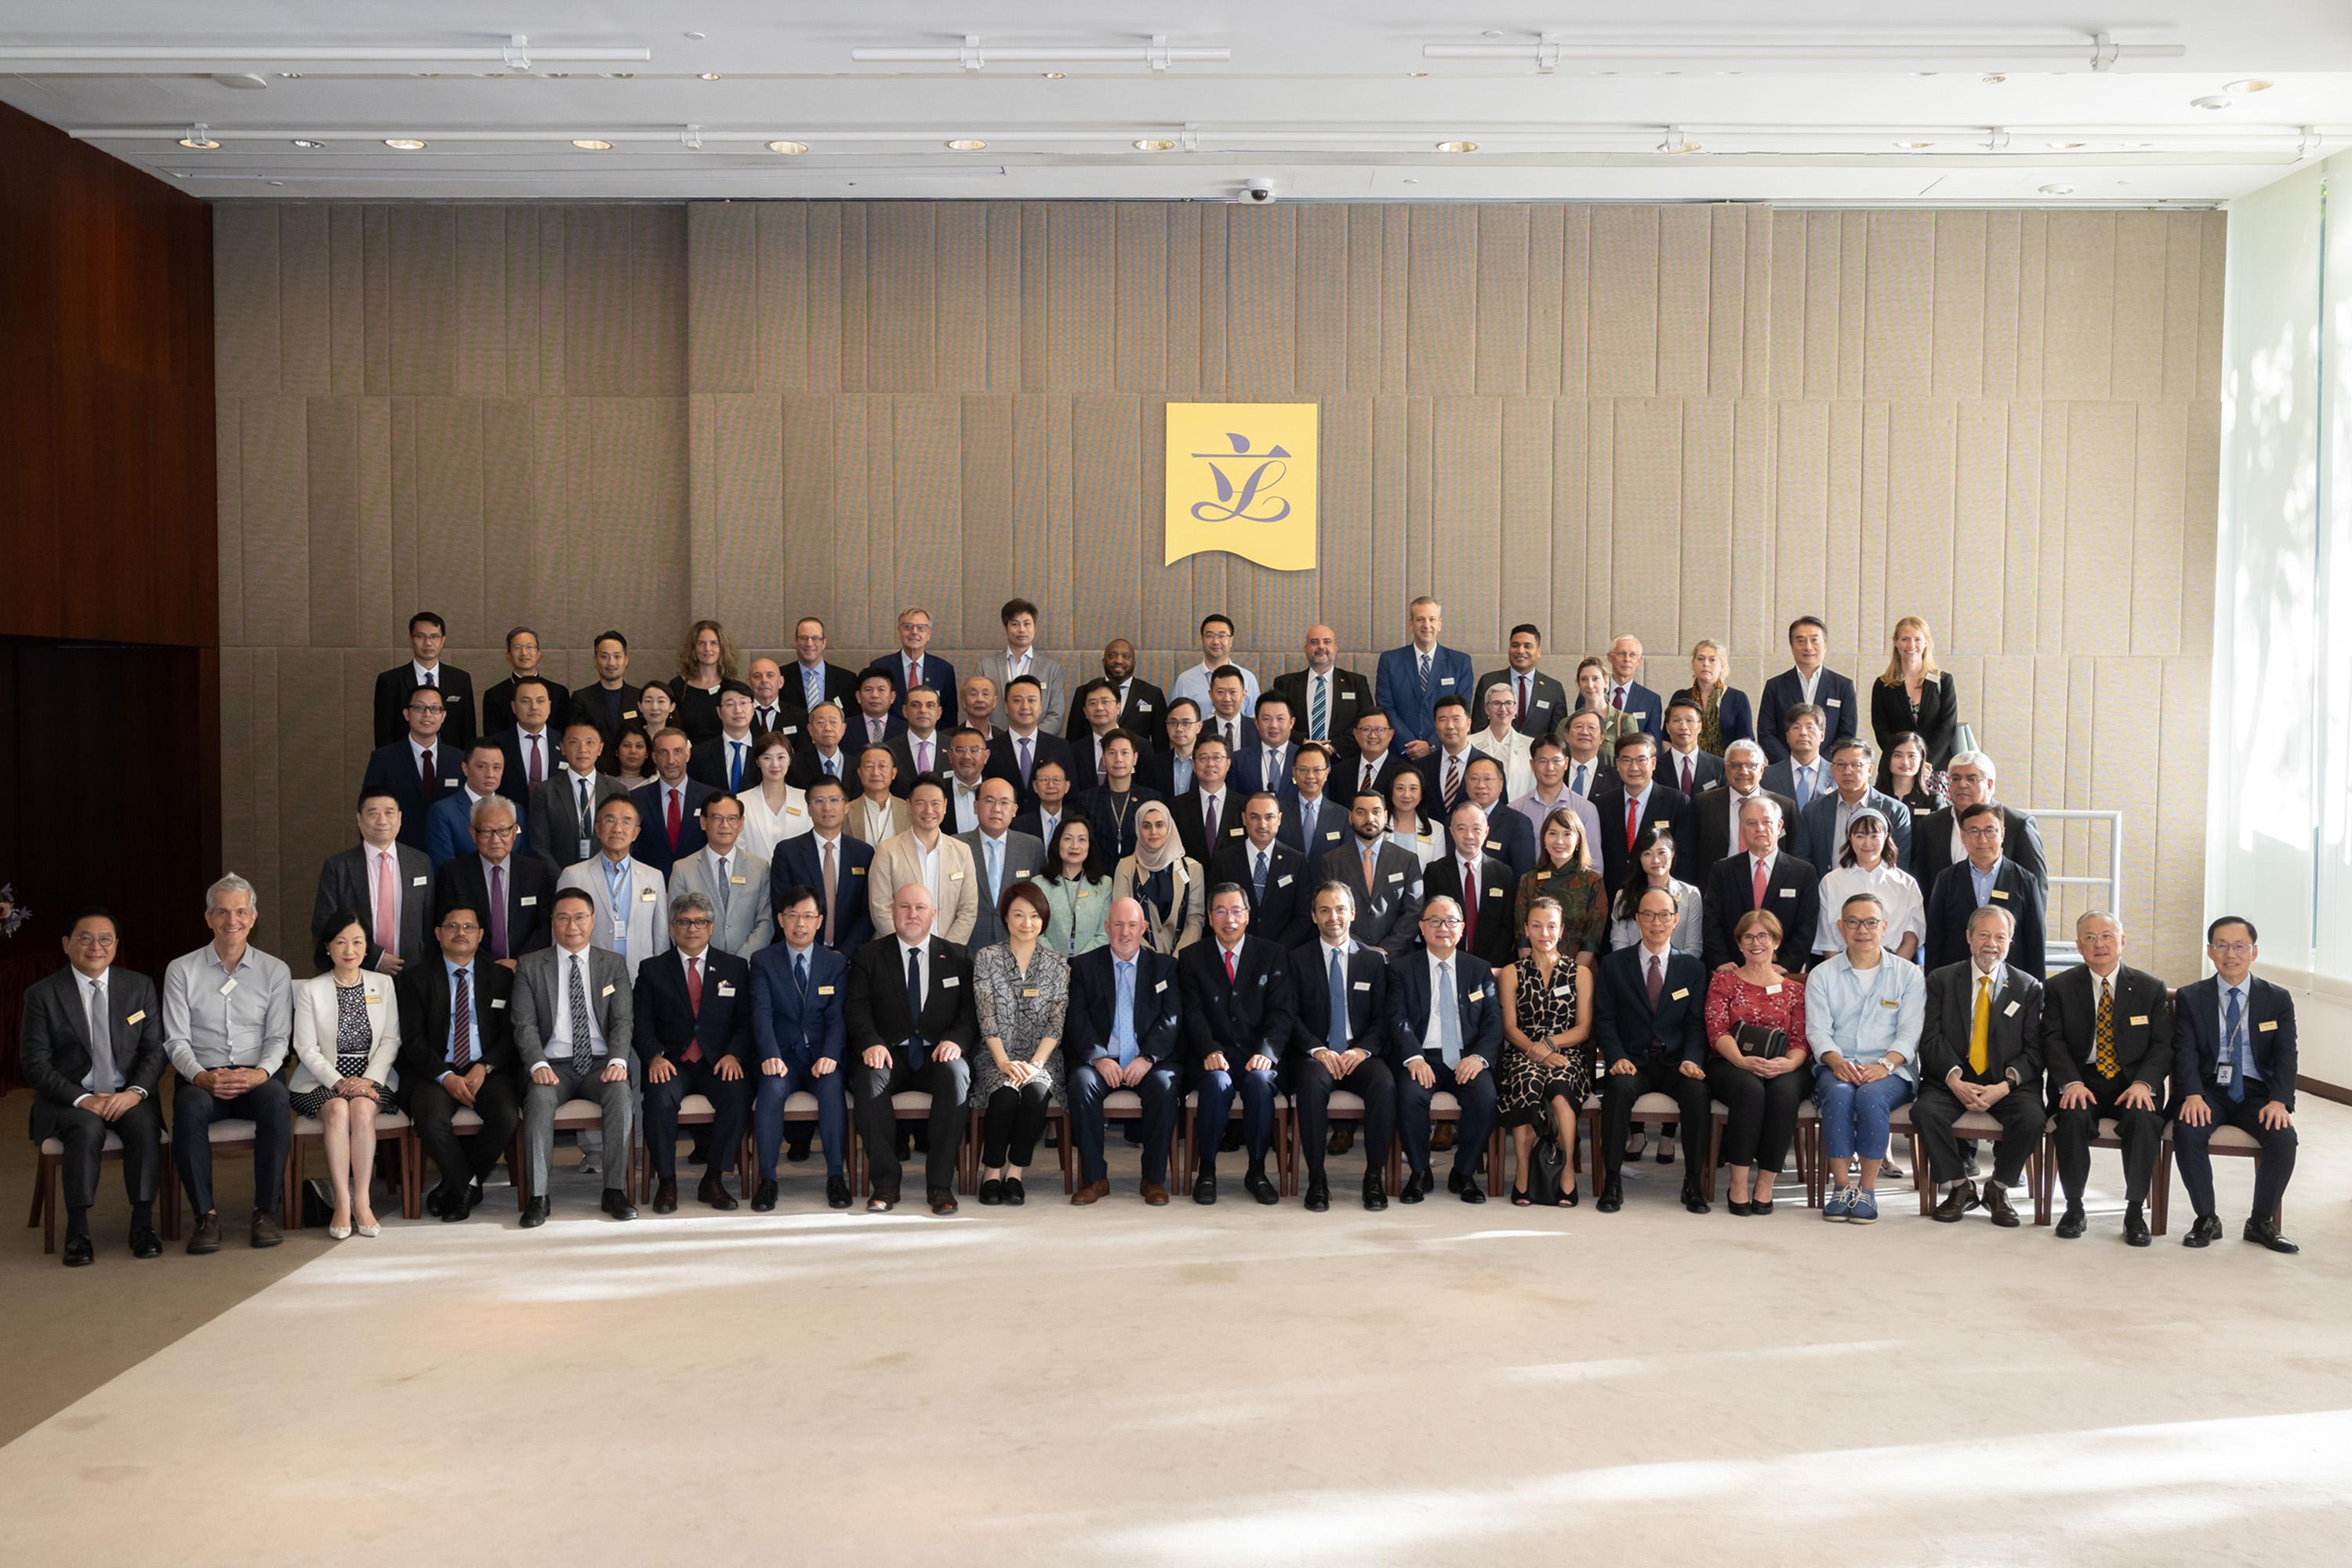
x,y
1853,1115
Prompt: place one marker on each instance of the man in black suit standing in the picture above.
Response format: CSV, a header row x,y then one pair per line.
x,y
1716,810
458,1052
2234,1065
1237,1010
1986,877
804,859
1762,875
1121,1032
912,664
417,768
530,741
427,635
909,1021
91,1045
1340,1039
522,662
511,891
1373,759
669,806
812,679
1936,838
693,1033
1636,802
1981,1049
610,702
2106,1044
1480,884
1810,683
1383,879
1025,743
385,880
724,761
1277,879
1539,701
1681,762
1143,707
1652,1029
1326,698
1445,1027
1208,815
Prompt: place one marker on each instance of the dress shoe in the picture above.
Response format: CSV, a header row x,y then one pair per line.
x,y
1205,1189
1230,1140
617,1204
1996,1203
1155,1195
453,1208
2264,1231
992,1192
265,1229
473,1196
1015,1195
836,1192
797,1152
1738,1208
1092,1193
1263,1190
666,1195
206,1237
80,1251
712,1190
534,1213
146,1244
1413,1191
943,1200
2071,1222
1472,1192
1456,1179
1613,1196
1759,1205
1376,1192
2205,1232
2135,1227
1342,1139
1957,1202
435,1201
1667,1149
1318,1196
763,1197
881,1202
1694,1199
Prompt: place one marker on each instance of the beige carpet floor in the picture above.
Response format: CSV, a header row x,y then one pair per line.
x,y
1436,1384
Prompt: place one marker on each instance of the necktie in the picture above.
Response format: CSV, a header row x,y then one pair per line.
x,y
1335,1033
800,976
1318,711
1372,859
577,998
995,868
585,820
499,912
1980,1028
1449,1016
1657,982
2234,1048
1803,778
387,904
1582,770
538,767
1122,1017
694,997
1370,768
1763,879
1522,717
102,1078
833,767
1229,967
2103,1050
874,731
913,673
827,879
915,989
763,718
1260,877
428,678
1209,820
1425,677
922,756
1688,787
677,818
811,685
1452,791
1469,903
1618,701
1632,820
1024,761
723,886
461,1023
735,766
424,773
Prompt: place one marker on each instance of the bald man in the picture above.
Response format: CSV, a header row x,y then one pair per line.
x,y
1327,697
910,1025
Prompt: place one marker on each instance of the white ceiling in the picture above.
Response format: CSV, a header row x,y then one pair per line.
x,y
1797,103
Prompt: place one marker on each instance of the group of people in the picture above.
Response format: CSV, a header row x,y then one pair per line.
x,y
805,893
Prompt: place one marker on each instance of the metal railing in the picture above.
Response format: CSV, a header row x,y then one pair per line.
x,y
2059,951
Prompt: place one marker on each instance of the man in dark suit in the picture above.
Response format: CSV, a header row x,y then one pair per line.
x,y
694,1035
499,709
1480,884
1209,815
1109,808
1762,875
457,1051
1237,1009
417,768
1936,840
451,831
1275,878
610,701
2234,1065
1651,1026
1340,1039
561,827
1637,802
798,989
919,751
876,717
912,664
1121,1032
1099,702
1986,877
1446,768
1981,1049
1716,811
427,635
91,1045
1383,879
1326,698
1445,1029
1313,822
724,761
1263,761
847,920
765,677
1821,830
2106,1044
669,806
514,893
909,1020
1539,701
1626,691
1810,683
385,880
820,752
1022,744
1055,806
1408,681
812,679
1510,836
529,741
1143,707
1372,759
1803,774
1168,768
1681,764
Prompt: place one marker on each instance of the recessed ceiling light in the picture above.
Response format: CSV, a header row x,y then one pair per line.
x,y
787,147
2249,84
698,37
1416,73
289,76
404,144
1153,144
710,76
1457,146
2214,102
622,76
307,146
2141,146
1914,146
2063,146
967,144
199,137
2057,190
1054,76
1994,79
590,144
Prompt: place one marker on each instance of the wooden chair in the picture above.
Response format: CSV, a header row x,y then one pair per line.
x,y
1056,1118
1445,1107
1662,1108
1180,1171
1986,1128
390,1127
48,1176
2159,1187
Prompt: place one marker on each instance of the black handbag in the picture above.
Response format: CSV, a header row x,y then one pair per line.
x,y
1761,1040
1547,1171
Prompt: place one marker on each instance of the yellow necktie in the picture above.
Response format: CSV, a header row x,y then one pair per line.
x,y
2103,1050
1980,1031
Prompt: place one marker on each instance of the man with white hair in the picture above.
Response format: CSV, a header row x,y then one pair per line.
x,y
229,1021
1936,840
1718,809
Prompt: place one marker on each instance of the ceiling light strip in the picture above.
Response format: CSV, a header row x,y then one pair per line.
x,y
165,54
2095,51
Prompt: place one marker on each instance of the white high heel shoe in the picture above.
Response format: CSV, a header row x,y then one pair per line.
x,y
339,1232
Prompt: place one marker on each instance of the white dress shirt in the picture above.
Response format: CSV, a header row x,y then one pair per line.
x,y
556,1043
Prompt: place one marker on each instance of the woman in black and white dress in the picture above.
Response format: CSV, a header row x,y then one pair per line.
x,y
346,1033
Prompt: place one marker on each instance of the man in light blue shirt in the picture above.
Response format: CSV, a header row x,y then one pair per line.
x,y
229,1021
1216,653
1863,1012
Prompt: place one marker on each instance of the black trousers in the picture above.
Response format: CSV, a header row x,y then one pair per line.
x,y
730,1106
1654,1074
2019,1112
499,1105
1310,1088
83,1133
265,1105
948,1083
1761,1114
2140,1133
1012,1122
2274,1166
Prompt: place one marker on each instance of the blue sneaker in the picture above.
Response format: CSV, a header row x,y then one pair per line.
x,y
1864,1209
1840,1204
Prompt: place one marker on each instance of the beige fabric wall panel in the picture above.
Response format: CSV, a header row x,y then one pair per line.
x,y
1676,421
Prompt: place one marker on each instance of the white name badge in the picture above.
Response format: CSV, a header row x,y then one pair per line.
x,y
1444,680
1834,702
647,895
1681,994
417,881
227,985
1156,990
2139,1020
952,981
789,729
142,1014
1788,892
1543,701
451,783
1563,990
1479,995
726,988
497,1003
606,992
1396,876
1363,985
955,875
1143,707
529,902
2010,1011
1772,991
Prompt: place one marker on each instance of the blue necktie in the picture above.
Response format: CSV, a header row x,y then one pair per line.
x,y
1449,1017
2234,1050
996,869
1581,770
811,685
1260,877
800,976
735,766
1335,1034
1122,1017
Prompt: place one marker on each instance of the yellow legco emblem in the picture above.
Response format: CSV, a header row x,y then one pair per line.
x,y
1241,478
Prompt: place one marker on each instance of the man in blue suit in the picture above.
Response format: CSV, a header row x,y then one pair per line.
x,y
1264,763
1445,1031
797,986
847,922
1341,1040
669,808
693,1032
1626,692
1652,1031
1811,682
417,770
2234,1065
1121,1029
450,835
1409,679
912,665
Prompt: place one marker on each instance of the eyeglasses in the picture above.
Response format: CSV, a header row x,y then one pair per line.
x,y
691,922
2234,949
460,927
1441,922
91,938
1656,914
1859,923
506,832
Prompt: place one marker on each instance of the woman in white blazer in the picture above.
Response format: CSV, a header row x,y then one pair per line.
x,y
346,1032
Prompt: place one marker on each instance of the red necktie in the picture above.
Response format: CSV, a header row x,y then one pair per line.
x,y
693,1000
1632,820
538,776
675,821
1523,699
913,673
425,774
1229,967
1686,775
1657,982
1763,881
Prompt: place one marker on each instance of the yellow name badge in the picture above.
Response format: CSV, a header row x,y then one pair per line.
x,y
606,992
824,989
1241,478
646,896
628,713
1480,993
739,881
2002,895
2265,1026
2139,1020
142,1015
1681,994
1028,991
1889,1003
858,870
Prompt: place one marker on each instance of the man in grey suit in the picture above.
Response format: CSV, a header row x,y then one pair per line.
x,y
628,896
388,883
1384,878
1021,657
574,1017
1001,856
559,825
734,880
1820,826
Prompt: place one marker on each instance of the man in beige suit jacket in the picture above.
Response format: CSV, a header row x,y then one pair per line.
x,y
874,814
734,880
927,855
639,928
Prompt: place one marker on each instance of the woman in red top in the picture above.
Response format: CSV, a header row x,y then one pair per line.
x,y
1762,1093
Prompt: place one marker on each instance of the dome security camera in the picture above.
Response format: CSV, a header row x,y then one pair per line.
x,y
1257,191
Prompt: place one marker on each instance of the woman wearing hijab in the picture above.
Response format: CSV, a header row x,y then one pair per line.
x,y
1163,879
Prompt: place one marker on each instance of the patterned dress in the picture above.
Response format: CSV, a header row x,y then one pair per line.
x,y
1583,905
354,1039
1525,1088
1020,1010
